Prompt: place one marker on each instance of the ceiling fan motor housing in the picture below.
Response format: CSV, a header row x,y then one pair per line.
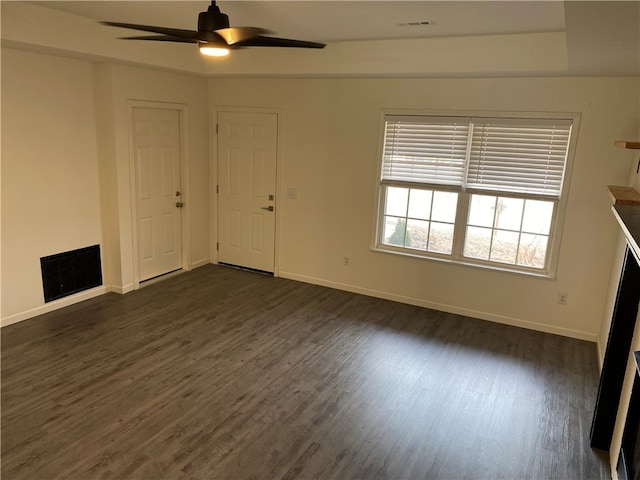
x,y
213,19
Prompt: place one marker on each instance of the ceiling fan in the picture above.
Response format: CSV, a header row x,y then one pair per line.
x,y
214,35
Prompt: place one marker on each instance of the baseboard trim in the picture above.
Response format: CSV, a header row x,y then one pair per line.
x,y
200,263
515,322
600,349
122,289
491,317
55,305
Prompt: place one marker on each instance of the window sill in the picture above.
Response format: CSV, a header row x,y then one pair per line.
x,y
466,263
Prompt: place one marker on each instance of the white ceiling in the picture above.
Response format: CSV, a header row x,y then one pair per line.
x,y
598,38
333,21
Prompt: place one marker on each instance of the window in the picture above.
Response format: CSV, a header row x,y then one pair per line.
x,y
478,190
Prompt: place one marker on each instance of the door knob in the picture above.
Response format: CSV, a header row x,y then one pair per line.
x,y
270,208
179,204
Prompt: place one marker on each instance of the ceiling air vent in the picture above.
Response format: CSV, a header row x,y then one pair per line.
x,y
422,23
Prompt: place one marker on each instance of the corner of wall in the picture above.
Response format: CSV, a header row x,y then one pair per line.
x,y
105,137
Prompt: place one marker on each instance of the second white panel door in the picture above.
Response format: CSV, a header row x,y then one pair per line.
x,y
247,151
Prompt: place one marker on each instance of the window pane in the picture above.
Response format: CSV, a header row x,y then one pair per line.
x,y
504,247
441,238
420,204
532,251
502,217
537,216
444,206
509,213
417,233
482,210
396,201
477,243
394,231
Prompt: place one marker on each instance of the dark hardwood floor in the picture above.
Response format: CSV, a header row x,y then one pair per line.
x,y
220,373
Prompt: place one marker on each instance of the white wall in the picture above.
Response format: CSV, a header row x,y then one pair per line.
x,y
50,188
330,133
66,178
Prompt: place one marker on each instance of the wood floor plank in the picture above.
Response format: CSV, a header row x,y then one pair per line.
x,y
219,373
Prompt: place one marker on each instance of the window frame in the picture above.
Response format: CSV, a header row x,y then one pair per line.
x,y
464,197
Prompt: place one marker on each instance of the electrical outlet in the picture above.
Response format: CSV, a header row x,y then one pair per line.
x,y
347,261
562,298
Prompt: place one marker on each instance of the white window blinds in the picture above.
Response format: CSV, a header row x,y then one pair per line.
x,y
516,155
425,149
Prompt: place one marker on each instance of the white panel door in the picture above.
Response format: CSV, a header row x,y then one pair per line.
x,y
247,146
156,139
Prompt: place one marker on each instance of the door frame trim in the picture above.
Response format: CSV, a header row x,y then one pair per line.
x,y
213,168
183,116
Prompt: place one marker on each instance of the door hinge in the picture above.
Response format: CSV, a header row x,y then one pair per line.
x,y
217,245
217,188
216,128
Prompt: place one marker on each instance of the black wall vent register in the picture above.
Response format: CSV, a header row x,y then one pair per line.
x,y
71,272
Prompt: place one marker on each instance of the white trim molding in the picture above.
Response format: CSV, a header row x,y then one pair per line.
x,y
491,317
55,305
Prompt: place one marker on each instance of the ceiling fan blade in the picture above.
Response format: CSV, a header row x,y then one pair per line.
x,y
173,32
261,41
233,35
162,38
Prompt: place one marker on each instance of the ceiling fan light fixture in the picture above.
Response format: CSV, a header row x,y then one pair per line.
x,y
212,51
